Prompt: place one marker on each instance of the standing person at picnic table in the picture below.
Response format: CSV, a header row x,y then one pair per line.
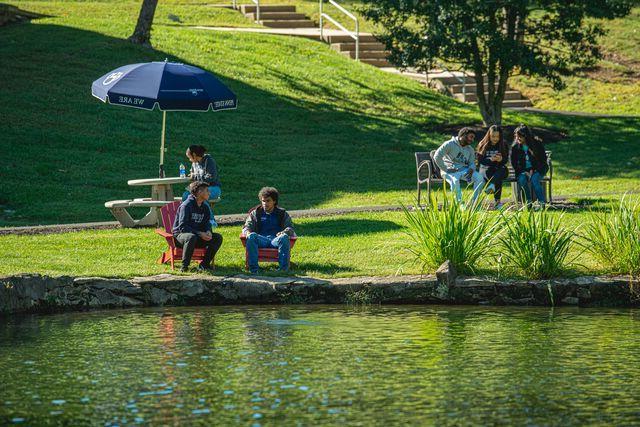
x,y
492,155
456,160
268,226
529,162
192,229
205,169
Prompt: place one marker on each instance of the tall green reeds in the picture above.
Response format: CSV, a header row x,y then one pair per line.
x,y
534,244
451,232
613,238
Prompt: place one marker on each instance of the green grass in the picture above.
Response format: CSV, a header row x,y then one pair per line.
x,y
612,88
323,142
350,245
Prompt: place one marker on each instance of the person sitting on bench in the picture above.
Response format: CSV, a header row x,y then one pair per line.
x,y
192,228
268,226
529,162
457,161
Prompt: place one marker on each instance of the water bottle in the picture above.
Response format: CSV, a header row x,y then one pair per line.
x,y
183,171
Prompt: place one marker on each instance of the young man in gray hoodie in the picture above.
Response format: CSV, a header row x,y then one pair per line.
x,y
456,160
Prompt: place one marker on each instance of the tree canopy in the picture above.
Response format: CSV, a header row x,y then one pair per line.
x,y
495,38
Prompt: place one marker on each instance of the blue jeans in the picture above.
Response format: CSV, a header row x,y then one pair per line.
x,y
214,193
255,241
523,183
454,178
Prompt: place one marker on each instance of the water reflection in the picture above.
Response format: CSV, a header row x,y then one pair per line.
x,y
314,365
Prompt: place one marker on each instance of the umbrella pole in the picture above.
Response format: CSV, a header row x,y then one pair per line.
x,y
164,123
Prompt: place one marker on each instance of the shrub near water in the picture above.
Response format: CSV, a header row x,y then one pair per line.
x,y
614,238
452,233
534,243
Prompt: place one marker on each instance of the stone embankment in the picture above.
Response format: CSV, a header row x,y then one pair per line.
x,y
42,294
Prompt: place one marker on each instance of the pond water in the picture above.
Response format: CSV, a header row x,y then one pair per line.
x,y
322,365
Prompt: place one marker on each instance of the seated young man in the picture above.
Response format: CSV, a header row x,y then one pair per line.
x,y
457,162
268,226
192,228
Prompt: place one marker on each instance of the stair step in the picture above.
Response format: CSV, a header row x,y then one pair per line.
x,y
343,38
367,54
517,103
345,47
303,23
509,95
251,8
277,16
471,87
449,79
376,62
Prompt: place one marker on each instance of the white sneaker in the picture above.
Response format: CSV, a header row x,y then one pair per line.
x,y
490,189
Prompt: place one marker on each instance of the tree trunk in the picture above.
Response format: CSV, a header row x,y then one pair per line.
x,y
142,33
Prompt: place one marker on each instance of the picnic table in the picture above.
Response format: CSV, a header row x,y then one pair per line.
x,y
161,194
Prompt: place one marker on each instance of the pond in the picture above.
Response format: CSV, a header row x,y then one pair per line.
x,y
378,365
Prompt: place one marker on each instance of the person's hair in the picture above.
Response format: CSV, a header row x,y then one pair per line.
x,y
198,150
525,132
486,141
196,186
269,192
465,131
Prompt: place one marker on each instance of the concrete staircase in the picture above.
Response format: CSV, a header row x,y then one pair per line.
x,y
372,52
277,16
512,98
449,83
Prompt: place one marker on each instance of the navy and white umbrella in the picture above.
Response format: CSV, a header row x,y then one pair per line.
x,y
166,85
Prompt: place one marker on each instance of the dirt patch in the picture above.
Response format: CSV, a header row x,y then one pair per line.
x,y
620,70
548,136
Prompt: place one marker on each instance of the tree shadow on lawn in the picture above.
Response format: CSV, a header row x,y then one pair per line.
x,y
345,227
88,150
311,149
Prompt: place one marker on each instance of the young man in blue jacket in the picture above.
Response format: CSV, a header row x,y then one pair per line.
x,y
268,226
192,227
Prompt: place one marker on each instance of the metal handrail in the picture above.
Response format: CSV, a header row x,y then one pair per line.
x,y
257,3
355,36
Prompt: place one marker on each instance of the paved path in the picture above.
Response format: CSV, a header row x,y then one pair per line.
x,y
577,113
310,33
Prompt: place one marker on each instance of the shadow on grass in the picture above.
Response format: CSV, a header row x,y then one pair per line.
x,y
345,227
271,139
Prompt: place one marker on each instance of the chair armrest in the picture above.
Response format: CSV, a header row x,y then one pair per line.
x,y
163,233
422,164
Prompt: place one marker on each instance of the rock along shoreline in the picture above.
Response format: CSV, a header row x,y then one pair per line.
x,y
45,294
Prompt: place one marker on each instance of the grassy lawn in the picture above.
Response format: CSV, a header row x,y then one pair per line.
x,y
323,142
350,245
612,88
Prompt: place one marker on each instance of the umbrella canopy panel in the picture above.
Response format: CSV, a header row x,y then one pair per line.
x,y
170,86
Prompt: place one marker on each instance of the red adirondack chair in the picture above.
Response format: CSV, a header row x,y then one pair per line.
x,y
265,254
168,213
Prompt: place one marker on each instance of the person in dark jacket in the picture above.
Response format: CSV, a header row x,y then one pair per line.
x,y
492,155
268,226
529,162
192,228
205,169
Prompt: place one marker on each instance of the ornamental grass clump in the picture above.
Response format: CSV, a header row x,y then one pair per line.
x,y
613,238
450,232
534,243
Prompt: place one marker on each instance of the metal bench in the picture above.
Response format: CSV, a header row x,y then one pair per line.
x,y
427,172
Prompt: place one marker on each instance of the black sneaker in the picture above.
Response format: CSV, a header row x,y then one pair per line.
x,y
207,269
184,269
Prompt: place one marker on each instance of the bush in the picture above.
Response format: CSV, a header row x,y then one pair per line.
x,y
452,233
613,238
534,243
